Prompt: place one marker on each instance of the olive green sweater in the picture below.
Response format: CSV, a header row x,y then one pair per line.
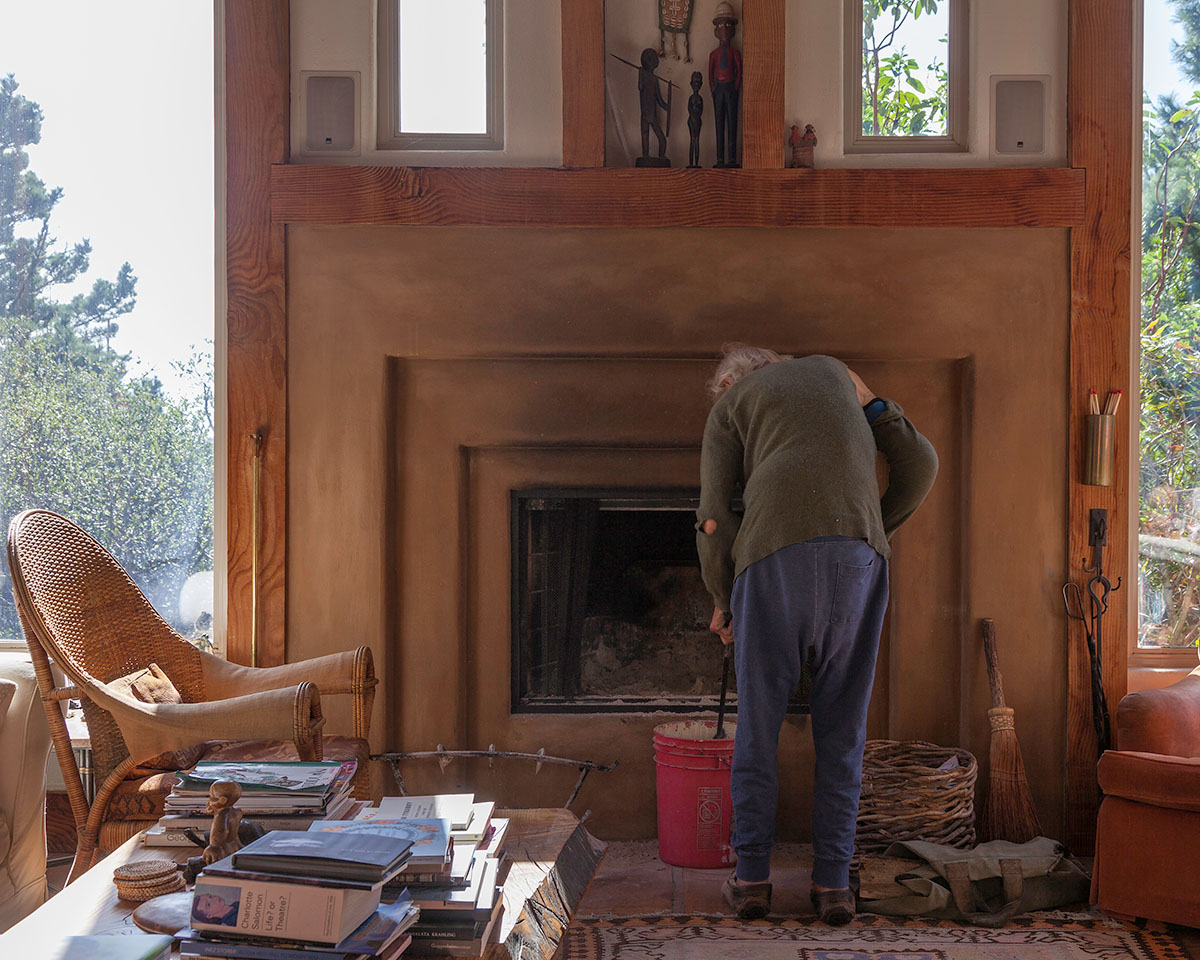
x,y
792,438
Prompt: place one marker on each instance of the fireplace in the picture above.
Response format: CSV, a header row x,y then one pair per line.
x,y
609,612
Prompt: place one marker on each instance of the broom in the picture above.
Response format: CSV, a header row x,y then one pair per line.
x,y
1009,813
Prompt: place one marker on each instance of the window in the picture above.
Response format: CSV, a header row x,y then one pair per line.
x,y
1169,487
440,75
106,363
906,76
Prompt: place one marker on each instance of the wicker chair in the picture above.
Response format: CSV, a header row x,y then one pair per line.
x,y
80,610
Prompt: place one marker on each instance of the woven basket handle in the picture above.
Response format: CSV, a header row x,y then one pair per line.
x,y
995,679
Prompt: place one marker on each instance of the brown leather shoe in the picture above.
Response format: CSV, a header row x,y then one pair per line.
x,y
750,901
834,907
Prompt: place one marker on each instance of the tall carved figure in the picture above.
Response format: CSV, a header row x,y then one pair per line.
x,y
725,82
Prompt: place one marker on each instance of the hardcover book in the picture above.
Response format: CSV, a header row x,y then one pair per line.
x,y
342,856
430,839
279,911
458,808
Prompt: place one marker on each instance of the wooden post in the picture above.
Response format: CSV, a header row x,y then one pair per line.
x,y
583,83
257,118
1100,119
764,29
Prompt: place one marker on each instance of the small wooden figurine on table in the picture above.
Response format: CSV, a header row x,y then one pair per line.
x,y
803,146
223,838
695,119
725,83
223,835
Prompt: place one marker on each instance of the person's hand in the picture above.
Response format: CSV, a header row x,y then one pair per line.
x,y
722,625
865,395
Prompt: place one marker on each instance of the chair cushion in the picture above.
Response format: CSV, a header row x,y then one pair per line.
x,y
152,685
142,796
1172,782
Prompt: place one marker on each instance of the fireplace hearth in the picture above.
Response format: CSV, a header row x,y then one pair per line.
x,y
609,610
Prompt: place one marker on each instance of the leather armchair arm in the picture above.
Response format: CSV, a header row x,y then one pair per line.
x,y
352,672
290,713
1161,781
1165,721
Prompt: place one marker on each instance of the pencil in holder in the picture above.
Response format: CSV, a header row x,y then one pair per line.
x,y
1100,450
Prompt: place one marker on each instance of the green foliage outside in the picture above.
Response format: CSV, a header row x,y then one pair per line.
x,y
79,433
896,101
1169,488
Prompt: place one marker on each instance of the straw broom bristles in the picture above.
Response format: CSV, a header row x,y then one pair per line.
x,y
1008,812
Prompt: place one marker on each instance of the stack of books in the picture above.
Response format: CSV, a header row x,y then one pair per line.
x,y
454,871
293,896
279,796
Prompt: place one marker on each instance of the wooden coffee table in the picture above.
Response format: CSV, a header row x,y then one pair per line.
x,y
553,860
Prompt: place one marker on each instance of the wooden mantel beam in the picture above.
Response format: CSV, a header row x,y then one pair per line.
x,y
521,196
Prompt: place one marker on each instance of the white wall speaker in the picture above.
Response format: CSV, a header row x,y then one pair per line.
x,y
1019,115
330,109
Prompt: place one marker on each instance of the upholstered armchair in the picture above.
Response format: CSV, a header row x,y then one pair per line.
x,y
83,614
24,750
1148,835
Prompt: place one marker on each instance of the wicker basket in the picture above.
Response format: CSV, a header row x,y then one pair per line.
x,y
906,797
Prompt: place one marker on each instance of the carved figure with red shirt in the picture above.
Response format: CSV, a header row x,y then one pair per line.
x,y
725,82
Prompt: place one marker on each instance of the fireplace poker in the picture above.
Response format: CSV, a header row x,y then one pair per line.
x,y
720,735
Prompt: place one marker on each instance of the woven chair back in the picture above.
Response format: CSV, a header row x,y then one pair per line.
x,y
78,602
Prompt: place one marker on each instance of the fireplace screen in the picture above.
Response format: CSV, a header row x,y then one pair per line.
x,y
608,609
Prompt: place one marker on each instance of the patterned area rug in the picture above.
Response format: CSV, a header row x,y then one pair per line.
x,y
1042,936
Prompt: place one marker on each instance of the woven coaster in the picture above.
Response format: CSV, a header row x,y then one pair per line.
x,y
139,893
141,871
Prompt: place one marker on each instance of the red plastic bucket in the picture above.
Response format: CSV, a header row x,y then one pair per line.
x,y
695,809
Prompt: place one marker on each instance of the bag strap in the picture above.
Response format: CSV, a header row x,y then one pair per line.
x,y
971,904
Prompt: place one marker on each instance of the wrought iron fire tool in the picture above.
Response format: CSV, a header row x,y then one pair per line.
x,y
444,758
720,734
1098,589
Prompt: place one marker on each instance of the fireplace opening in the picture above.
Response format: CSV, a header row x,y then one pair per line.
x,y
609,610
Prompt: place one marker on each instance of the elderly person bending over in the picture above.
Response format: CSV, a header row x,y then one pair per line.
x,y
803,573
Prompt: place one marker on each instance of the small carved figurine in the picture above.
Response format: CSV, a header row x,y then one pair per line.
x,y
223,840
695,118
651,99
725,83
803,146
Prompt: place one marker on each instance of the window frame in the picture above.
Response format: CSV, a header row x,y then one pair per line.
x,y
389,136
958,53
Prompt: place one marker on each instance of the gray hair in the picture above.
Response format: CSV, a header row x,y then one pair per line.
x,y
737,361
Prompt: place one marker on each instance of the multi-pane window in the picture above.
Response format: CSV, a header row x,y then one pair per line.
x,y
429,99
905,75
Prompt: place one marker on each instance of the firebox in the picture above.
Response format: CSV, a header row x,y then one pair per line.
x,y
609,612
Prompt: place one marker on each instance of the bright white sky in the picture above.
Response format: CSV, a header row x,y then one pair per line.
x,y
127,93
458,84
1159,73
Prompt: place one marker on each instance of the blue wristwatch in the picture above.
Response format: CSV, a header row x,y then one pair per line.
x,y
874,409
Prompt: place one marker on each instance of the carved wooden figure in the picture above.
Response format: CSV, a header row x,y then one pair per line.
x,y
223,838
695,118
803,145
725,85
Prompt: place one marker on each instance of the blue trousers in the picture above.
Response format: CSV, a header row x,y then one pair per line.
x,y
823,600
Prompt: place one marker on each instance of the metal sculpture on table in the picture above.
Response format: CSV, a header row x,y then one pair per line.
x,y
650,99
675,17
445,757
725,85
